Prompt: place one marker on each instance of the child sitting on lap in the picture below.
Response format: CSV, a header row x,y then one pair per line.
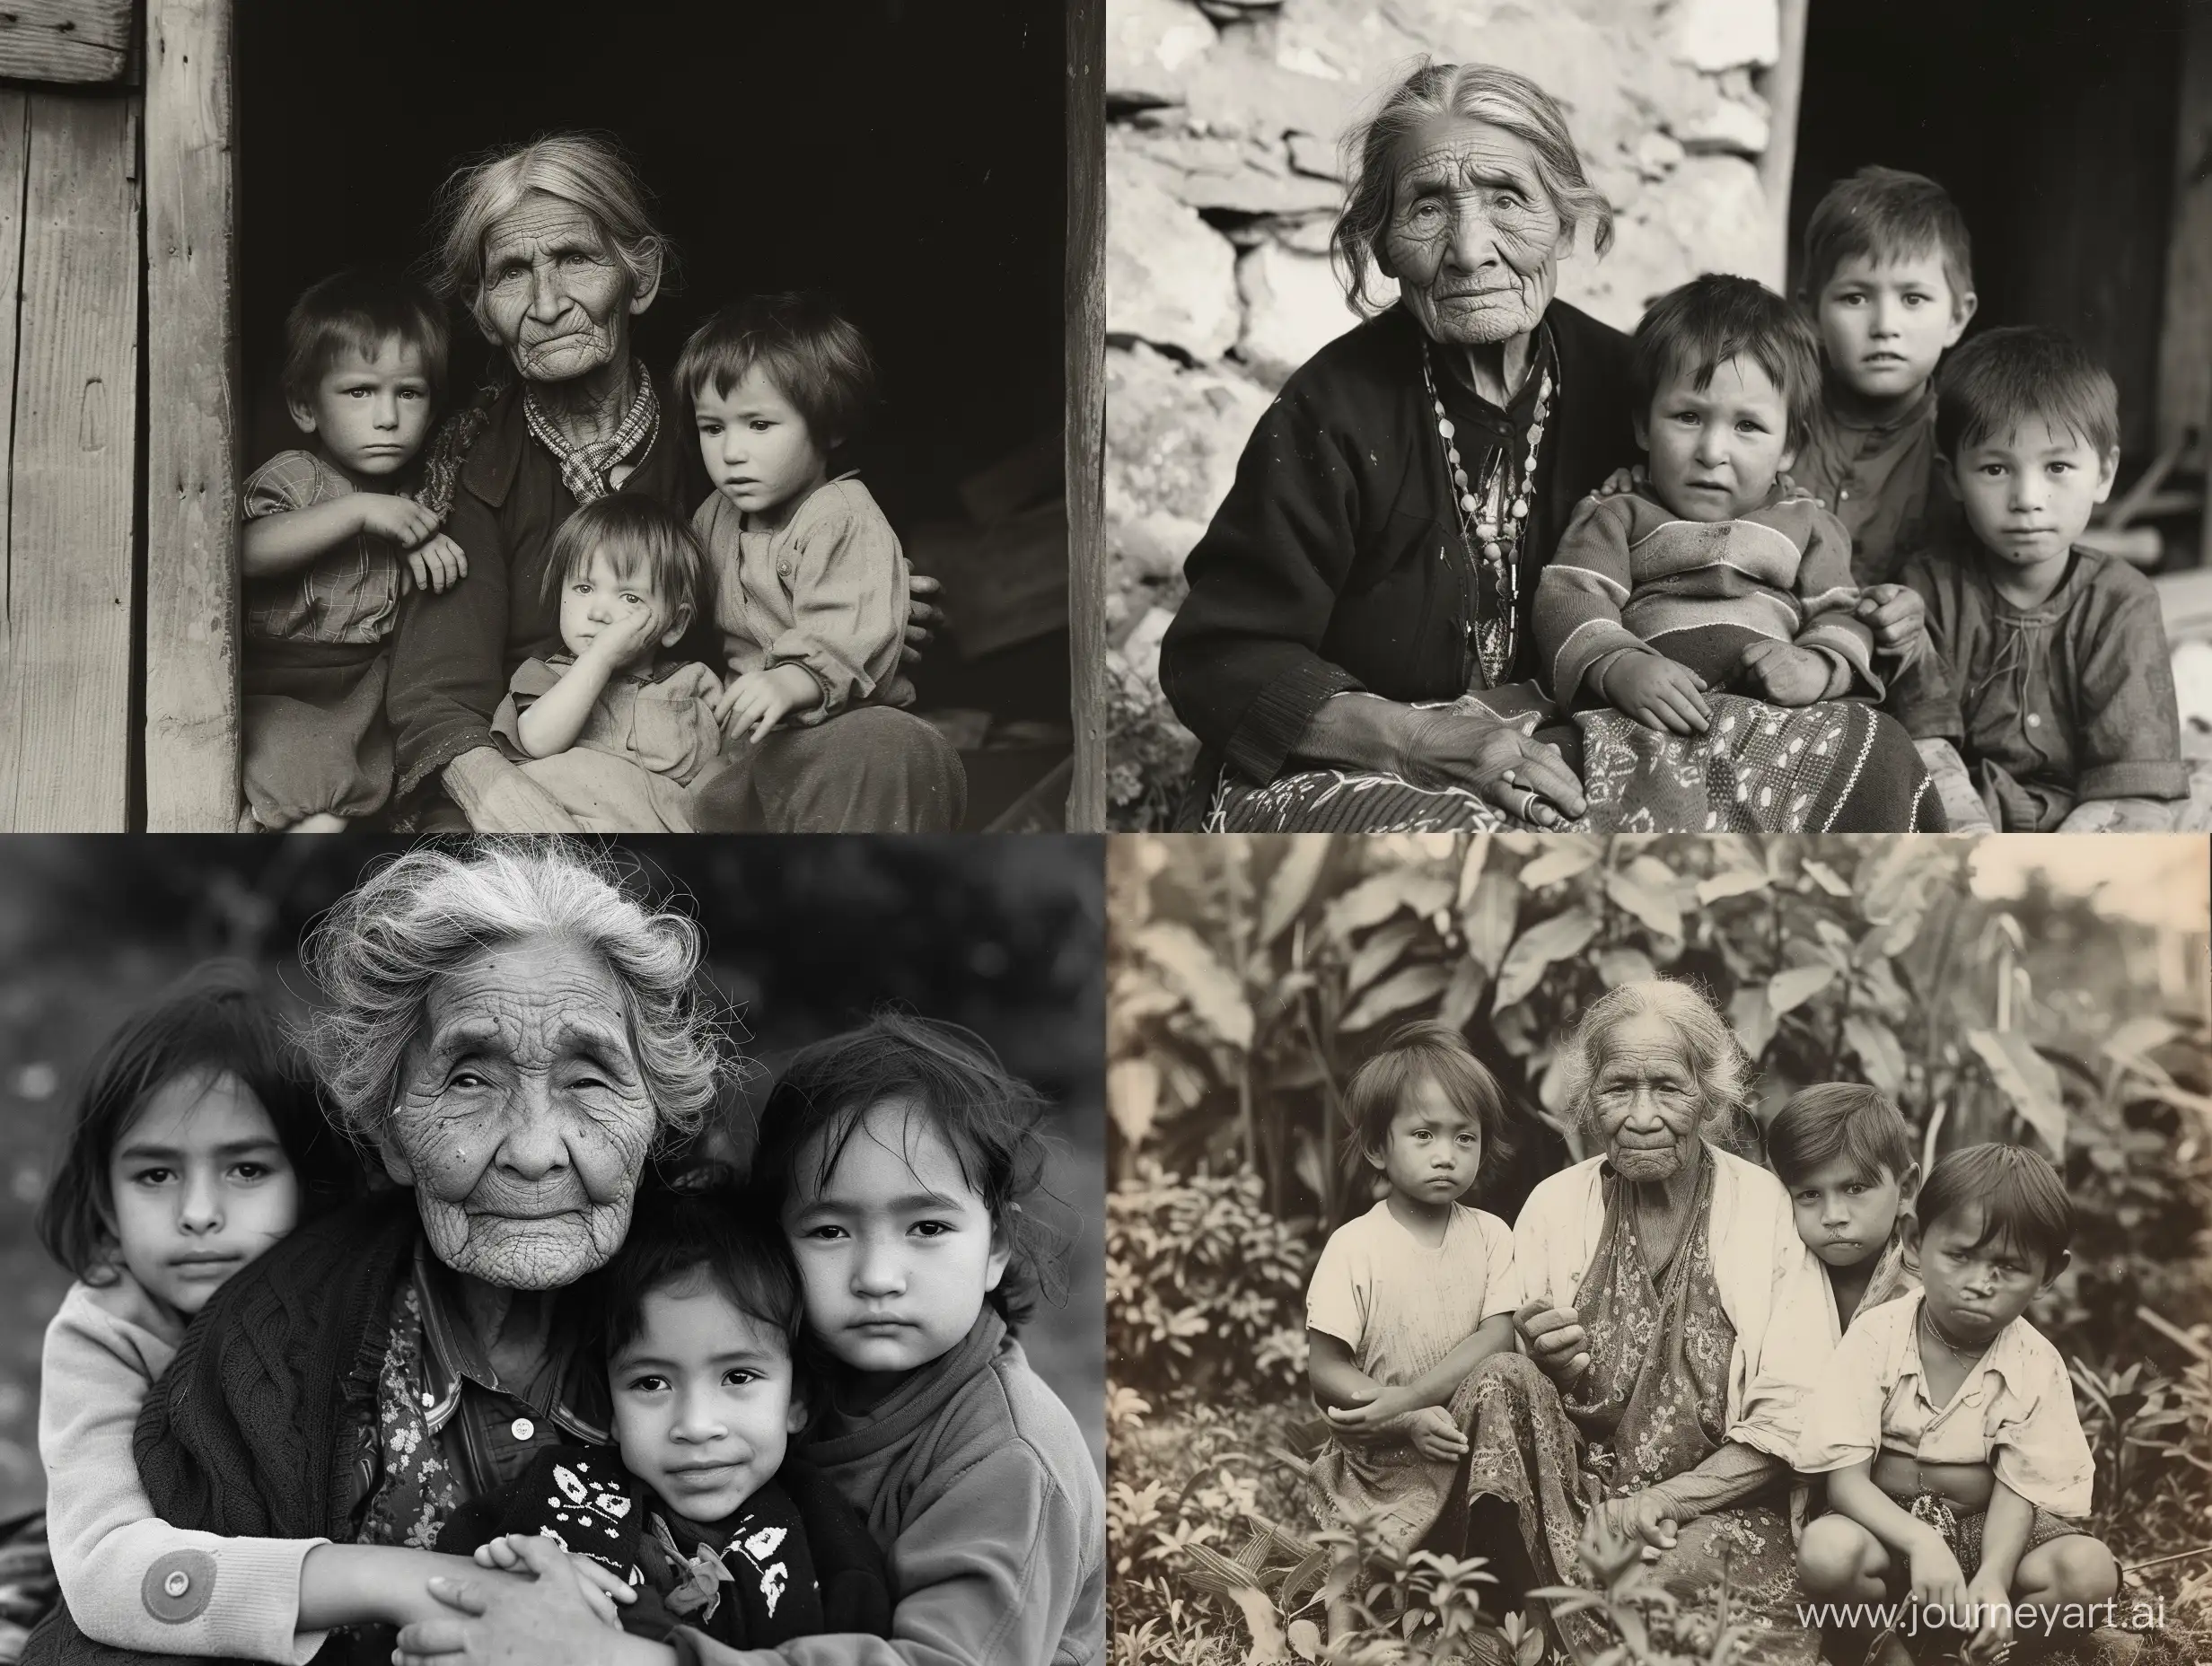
x,y
811,582
1412,1297
1712,576
1846,1157
2055,685
610,730
701,1508
328,550
1945,1423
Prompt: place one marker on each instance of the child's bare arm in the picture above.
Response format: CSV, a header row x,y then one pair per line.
x,y
1336,1380
1435,1386
372,1585
556,717
275,544
1936,1577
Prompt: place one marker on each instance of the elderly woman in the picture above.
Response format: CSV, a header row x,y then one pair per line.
x,y
513,1038
552,250
1674,1329
1354,653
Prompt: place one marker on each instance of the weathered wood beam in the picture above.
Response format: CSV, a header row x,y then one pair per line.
x,y
1085,322
71,42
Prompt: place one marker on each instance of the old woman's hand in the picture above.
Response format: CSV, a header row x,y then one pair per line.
x,y
1527,779
1648,1517
1556,1339
546,1619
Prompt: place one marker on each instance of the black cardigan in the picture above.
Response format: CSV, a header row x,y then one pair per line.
x,y
1336,561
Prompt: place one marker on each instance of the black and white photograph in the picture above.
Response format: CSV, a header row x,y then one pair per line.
x,y
551,1250
1658,1249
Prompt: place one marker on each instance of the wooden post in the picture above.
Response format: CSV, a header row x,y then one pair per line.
x,y
1784,89
192,378
1086,438
66,40
66,655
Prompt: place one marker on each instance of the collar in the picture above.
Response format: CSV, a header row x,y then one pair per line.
x,y
453,1356
2005,1356
846,1436
1919,411
1521,406
497,456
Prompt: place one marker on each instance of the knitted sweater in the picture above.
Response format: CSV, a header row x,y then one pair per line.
x,y
977,1478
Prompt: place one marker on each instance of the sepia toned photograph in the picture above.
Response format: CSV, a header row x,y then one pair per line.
x,y
1658,1249
678,1249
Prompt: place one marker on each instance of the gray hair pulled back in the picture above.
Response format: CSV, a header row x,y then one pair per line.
x,y
1720,1070
381,951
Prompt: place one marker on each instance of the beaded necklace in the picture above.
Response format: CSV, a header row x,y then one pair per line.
x,y
1492,526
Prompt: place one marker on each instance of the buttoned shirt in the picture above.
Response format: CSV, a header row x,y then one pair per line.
x,y
1878,479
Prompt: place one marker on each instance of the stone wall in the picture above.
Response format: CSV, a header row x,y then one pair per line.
x,y
1222,180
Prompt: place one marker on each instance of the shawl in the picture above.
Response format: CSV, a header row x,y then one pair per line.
x,y
585,468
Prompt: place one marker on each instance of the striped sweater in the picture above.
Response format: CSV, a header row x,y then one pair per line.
x,y
1631,575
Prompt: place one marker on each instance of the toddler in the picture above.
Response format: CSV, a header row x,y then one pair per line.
x,y
1412,1297
697,1319
811,584
1845,1156
611,728
1945,1423
198,1144
1710,575
329,547
902,1160
2055,682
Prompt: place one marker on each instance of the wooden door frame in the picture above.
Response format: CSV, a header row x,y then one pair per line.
x,y
1085,418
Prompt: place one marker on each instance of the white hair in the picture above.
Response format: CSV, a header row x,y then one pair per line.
x,y
1720,1071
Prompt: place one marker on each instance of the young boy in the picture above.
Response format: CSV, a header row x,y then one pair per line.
x,y
1945,1423
1845,1156
2059,690
1710,575
698,1317
329,547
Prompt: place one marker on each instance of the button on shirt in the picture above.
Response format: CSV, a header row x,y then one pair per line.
x,y
2014,1411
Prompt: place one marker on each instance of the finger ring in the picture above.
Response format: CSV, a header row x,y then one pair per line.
x,y
1528,805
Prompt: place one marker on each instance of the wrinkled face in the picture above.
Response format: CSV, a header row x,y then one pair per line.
x,y
895,1251
1846,1216
1473,239
199,1185
370,412
1715,451
756,447
2028,494
1974,1291
703,1406
555,296
1885,323
1643,1100
1434,1149
522,1120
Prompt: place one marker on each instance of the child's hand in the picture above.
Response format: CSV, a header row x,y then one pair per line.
x,y
1937,1580
752,705
1992,1607
401,519
1898,616
1656,692
625,636
602,1590
436,564
1621,481
1378,1406
1434,1434
1786,674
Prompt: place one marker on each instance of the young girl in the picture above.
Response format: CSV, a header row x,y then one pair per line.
x,y
697,1319
611,730
1415,1294
811,582
897,1157
198,1144
329,547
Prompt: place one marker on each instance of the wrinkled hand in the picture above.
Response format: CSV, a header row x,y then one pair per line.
x,y
752,704
1623,481
1656,692
1937,1578
1786,674
1898,615
401,519
1378,1406
435,565
925,617
1434,1434
497,797
546,1619
625,636
601,1589
1528,780
1647,1516
1556,1339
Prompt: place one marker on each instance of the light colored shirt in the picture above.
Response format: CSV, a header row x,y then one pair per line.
x,y
1402,1305
2013,1411
349,592
130,1579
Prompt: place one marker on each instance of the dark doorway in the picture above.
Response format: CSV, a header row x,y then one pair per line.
x,y
2054,127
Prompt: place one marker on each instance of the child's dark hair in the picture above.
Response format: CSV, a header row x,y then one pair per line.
x,y
1885,215
1833,1119
362,308
2022,1201
214,1022
719,1230
2004,377
1415,1053
986,1116
816,357
642,539
1704,323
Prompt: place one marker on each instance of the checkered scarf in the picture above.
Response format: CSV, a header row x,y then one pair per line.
x,y
585,468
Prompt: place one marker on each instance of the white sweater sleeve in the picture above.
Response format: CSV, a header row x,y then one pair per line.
x,y
131,1580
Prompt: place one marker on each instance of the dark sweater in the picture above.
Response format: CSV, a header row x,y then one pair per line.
x,y
1336,561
